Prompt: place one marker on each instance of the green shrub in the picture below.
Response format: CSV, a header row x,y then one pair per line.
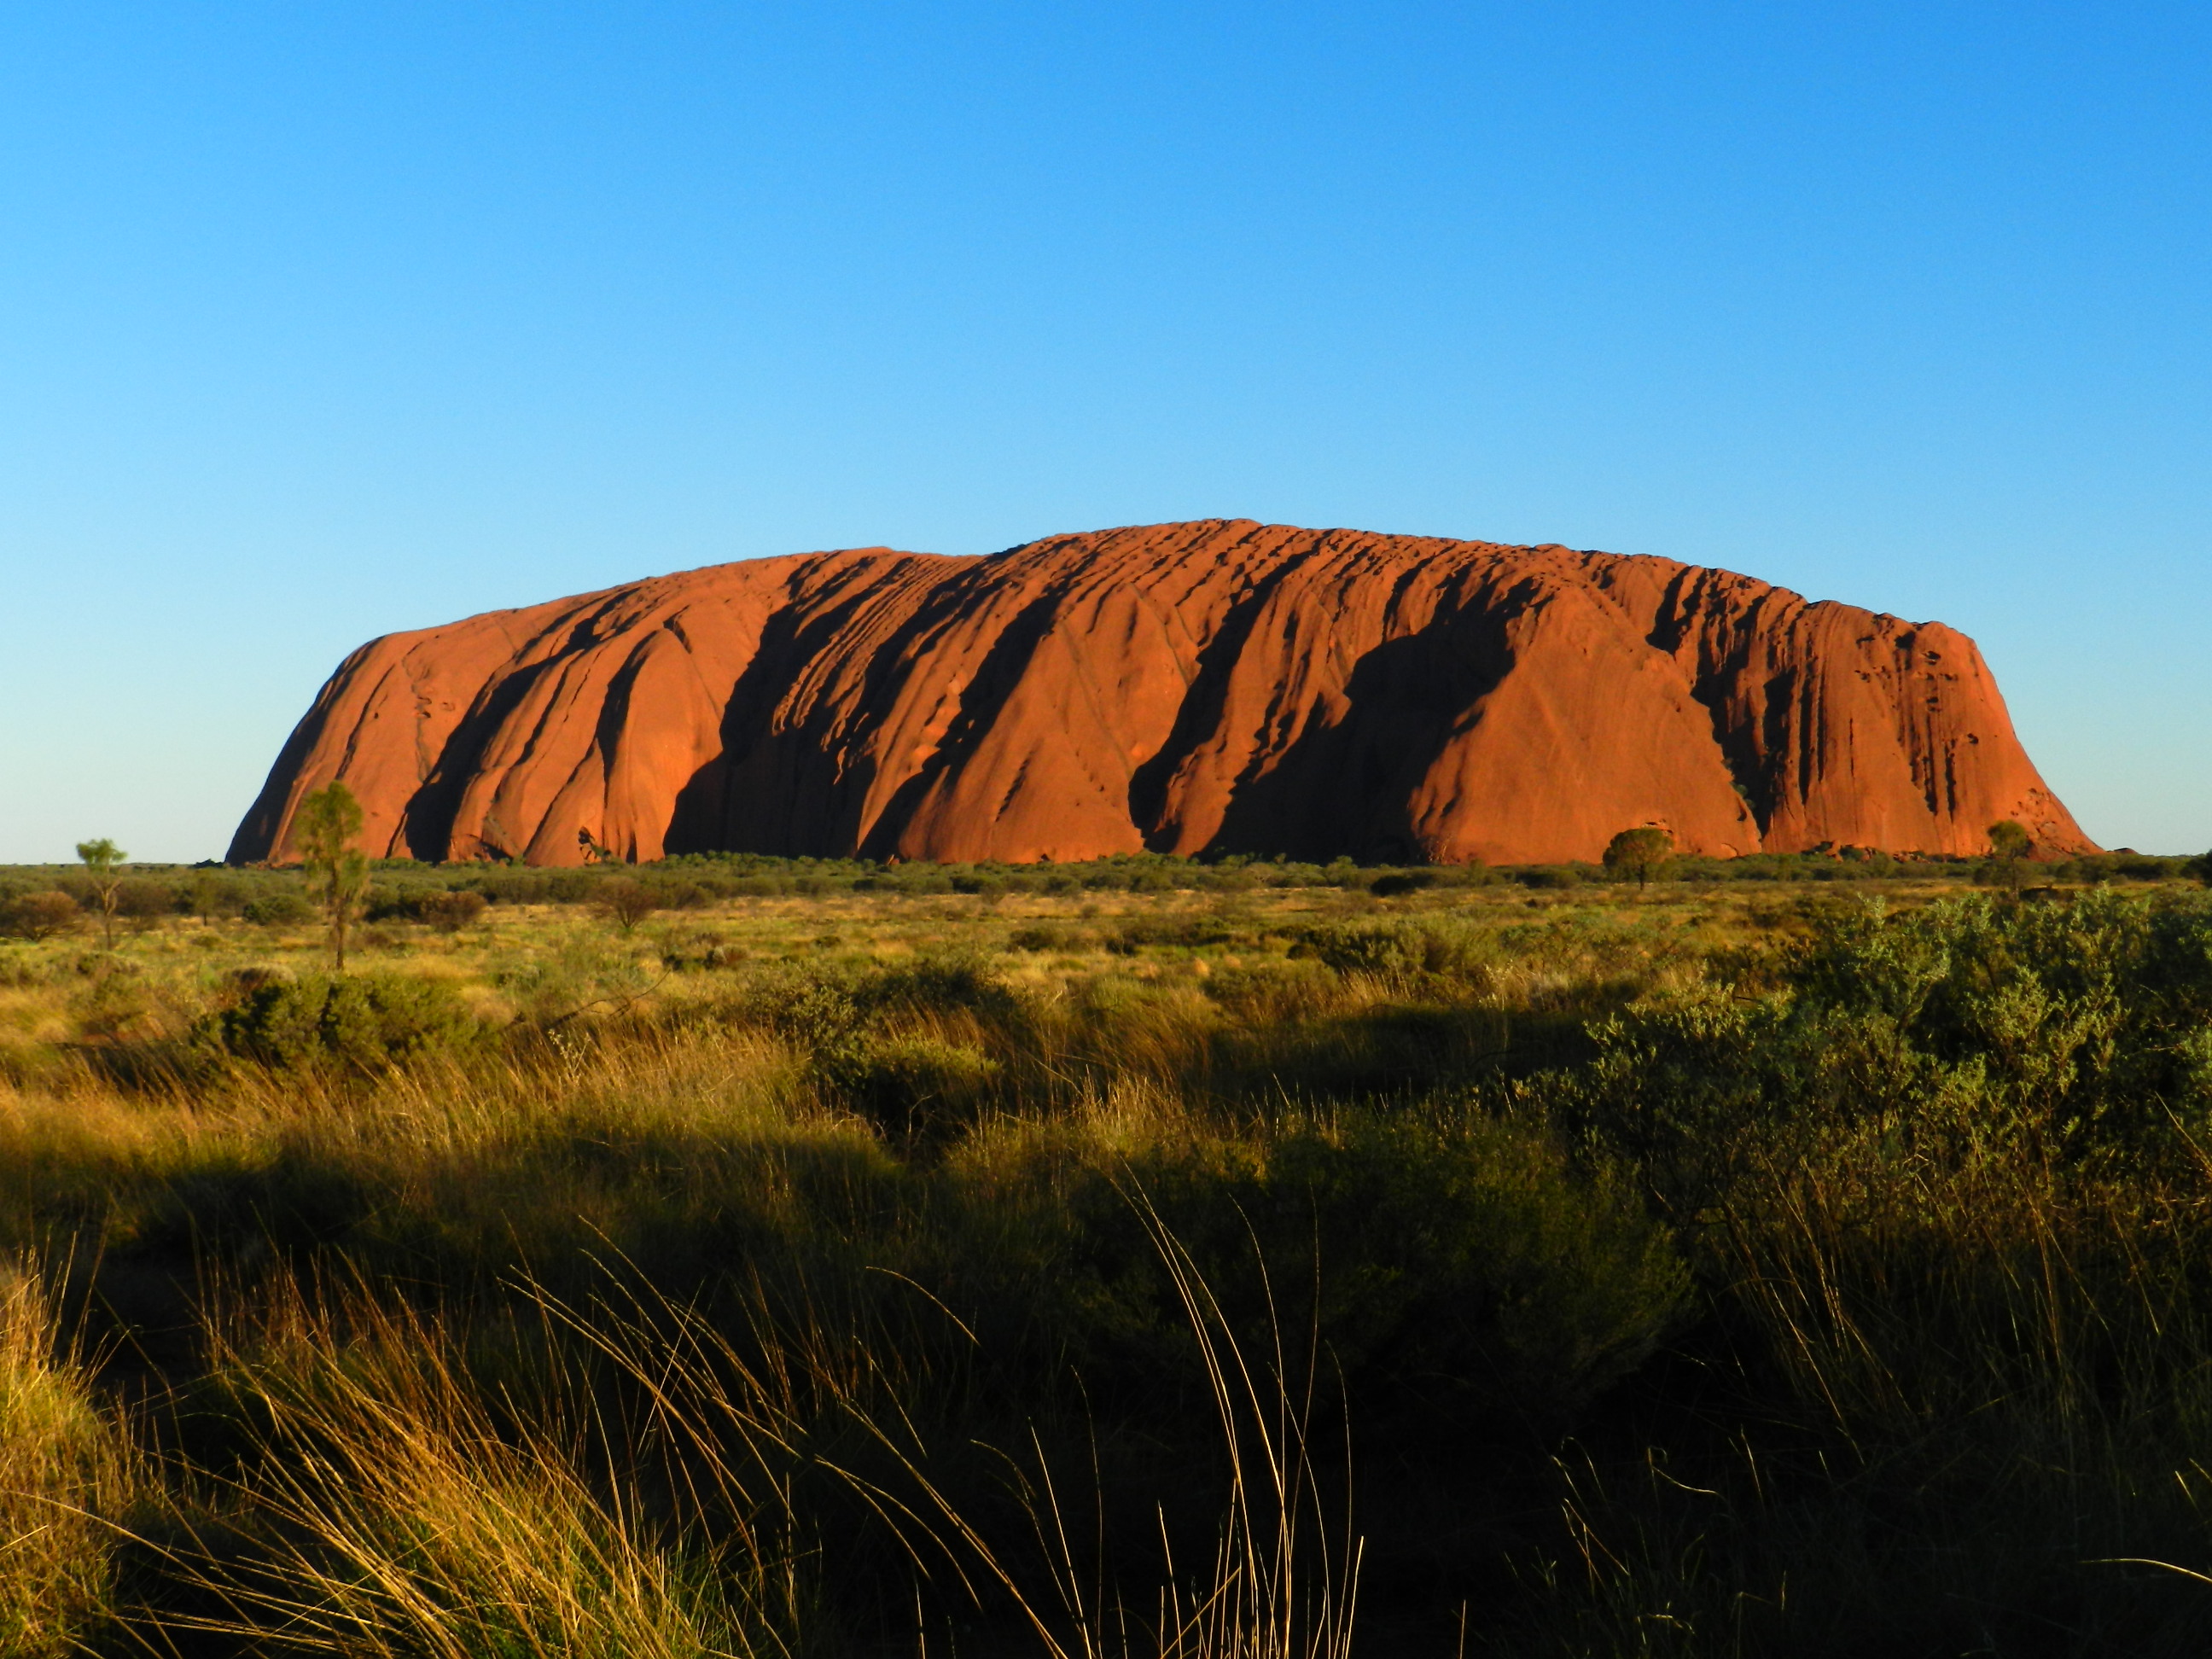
x,y
142,901
625,903
281,909
538,886
118,1003
1266,994
1549,875
1397,883
937,982
855,1026
1050,936
1965,1031
1398,951
211,894
1468,1270
916,1088
365,1021
38,915
1180,929
448,909
579,971
681,895
451,910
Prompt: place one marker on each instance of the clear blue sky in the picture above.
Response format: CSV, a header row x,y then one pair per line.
x,y
319,320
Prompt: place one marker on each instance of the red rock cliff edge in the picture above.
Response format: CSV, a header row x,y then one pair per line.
x,y
1217,686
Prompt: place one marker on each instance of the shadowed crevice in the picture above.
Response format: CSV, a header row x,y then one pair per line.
x,y
428,823
795,789
1197,720
1346,788
995,680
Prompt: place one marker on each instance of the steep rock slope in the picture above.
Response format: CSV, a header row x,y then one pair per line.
x,y
1210,686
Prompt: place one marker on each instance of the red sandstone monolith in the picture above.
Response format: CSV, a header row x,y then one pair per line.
x,y
1218,686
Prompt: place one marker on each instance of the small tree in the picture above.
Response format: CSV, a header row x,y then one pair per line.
x,y
2009,845
103,869
211,895
337,874
625,903
1642,854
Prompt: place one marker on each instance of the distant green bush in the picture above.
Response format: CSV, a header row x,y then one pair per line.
x,y
38,915
680,894
506,886
1549,875
1397,883
1050,936
1185,930
1401,950
450,911
281,909
141,900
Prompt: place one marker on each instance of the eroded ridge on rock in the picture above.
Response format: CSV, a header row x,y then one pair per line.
x,y
1217,686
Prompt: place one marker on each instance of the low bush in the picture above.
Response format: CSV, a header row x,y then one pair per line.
x,y
917,1089
210,894
1396,883
1549,875
38,916
142,900
281,909
1401,952
116,1004
450,911
1183,930
361,1021
1272,994
509,887
573,974
1051,936
1463,1271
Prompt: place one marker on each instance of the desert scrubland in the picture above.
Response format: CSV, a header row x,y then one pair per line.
x,y
1806,1255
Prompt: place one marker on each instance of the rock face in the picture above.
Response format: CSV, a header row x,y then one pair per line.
x,y
1218,686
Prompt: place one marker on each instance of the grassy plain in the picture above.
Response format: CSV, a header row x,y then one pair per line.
x,y
1136,1260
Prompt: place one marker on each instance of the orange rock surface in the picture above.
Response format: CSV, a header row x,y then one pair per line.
x,y
1218,686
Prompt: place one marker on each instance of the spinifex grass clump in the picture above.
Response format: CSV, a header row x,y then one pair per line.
x,y
384,1506
67,1482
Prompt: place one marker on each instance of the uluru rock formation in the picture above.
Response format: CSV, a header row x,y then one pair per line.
x,y
1217,686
